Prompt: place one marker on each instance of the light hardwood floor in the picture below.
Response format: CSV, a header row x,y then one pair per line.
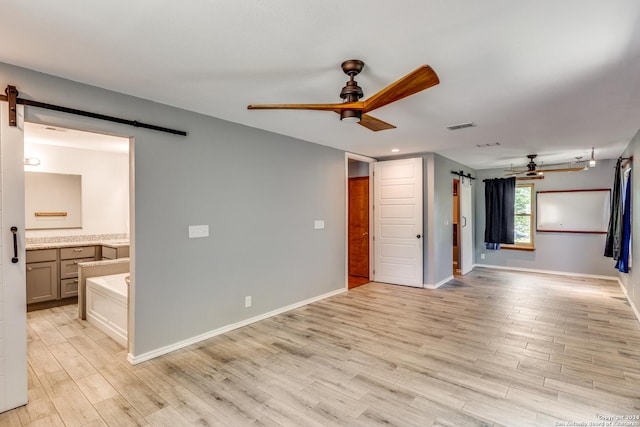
x,y
494,348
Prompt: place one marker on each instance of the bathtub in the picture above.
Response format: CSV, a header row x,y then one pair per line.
x,y
106,304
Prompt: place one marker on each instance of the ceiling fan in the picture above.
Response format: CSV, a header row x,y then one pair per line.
x,y
532,168
354,110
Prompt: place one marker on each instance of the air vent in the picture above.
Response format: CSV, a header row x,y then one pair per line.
x,y
490,144
461,126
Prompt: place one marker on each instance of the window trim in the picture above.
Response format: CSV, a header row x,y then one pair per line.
x,y
532,219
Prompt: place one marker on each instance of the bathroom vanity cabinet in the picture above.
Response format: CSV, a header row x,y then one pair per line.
x,y
42,275
69,259
52,274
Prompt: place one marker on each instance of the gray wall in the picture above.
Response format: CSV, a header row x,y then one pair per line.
x,y
631,281
259,193
562,252
443,214
358,169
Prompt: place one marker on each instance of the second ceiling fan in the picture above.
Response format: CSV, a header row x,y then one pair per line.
x,y
532,169
352,109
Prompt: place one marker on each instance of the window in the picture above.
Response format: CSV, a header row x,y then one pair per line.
x,y
524,218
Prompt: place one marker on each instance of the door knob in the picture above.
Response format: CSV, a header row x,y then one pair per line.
x,y
418,236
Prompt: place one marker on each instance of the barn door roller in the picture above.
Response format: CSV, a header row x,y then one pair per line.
x,y
12,98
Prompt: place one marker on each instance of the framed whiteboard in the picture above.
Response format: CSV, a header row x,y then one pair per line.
x,y
573,211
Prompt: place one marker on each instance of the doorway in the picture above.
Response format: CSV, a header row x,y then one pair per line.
x,y
99,204
358,220
358,231
455,223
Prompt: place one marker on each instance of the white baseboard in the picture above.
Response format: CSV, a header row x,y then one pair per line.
x,y
184,343
560,273
633,307
437,285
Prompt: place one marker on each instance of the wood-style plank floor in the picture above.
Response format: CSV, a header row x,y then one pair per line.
x,y
493,348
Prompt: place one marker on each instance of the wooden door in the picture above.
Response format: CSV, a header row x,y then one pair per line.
x,y
398,222
359,227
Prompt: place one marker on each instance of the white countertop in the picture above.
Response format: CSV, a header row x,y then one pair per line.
x,y
115,243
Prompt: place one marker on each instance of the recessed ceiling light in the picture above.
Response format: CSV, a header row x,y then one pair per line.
x,y
395,150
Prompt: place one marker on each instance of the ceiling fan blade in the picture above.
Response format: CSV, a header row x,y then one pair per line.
x,y
322,107
535,171
575,169
374,124
414,82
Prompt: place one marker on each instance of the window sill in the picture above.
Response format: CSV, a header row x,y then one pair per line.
x,y
518,247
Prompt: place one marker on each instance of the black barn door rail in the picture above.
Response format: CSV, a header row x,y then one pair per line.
x,y
12,98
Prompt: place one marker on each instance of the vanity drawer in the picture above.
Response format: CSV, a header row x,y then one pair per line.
x,y
78,252
69,267
114,253
109,253
68,288
42,255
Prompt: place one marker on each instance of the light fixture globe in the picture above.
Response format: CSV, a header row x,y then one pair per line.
x,y
351,116
592,162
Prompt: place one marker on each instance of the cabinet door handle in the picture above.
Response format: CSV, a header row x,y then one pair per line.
x,y
29,268
14,230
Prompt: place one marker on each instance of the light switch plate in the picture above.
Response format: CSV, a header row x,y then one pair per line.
x,y
318,224
196,231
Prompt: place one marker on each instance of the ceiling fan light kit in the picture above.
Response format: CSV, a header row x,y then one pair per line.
x,y
354,110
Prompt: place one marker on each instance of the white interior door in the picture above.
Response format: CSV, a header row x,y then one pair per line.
x,y
466,224
398,222
13,308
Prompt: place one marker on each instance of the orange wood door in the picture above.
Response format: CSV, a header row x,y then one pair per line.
x,y
359,226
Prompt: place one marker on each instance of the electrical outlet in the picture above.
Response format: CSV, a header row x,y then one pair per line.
x,y
247,302
482,255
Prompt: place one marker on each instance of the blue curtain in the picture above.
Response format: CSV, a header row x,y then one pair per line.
x,y
625,233
499,198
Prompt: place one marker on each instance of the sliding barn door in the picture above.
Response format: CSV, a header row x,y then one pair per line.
x,y
466,226
398,222
13,309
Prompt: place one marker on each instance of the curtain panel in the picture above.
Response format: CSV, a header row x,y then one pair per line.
x,y
499,196
612,244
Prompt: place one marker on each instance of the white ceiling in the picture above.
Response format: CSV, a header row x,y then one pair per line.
x,y
549,77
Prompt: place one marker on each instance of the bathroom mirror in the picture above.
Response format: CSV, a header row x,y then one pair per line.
x,y
52,200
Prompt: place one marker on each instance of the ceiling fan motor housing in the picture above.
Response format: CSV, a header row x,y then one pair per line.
x,y
351,92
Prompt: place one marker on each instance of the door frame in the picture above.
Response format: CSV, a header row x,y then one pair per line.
x,y
351,156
